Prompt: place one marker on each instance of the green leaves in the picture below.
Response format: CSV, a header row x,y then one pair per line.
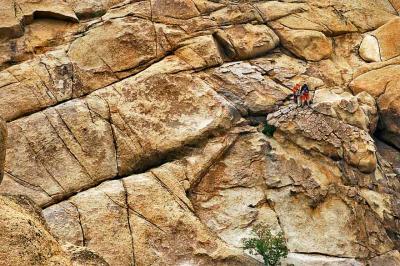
x,y
268,130
271,247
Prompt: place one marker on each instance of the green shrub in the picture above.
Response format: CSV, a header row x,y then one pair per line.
x,y
271,247
269,129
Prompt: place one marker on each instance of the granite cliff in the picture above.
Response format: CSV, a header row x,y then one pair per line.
x,y
135,131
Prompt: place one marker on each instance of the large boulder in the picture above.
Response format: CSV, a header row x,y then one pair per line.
x,y
359,110
331,136
308,44
382,82
247,41
383,43
25,238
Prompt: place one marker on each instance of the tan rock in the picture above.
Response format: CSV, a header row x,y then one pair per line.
x,y
273,10
236,14
318,260
325,20
359,111
143,222
177,9
3,147
91,61
128,132
298,186
200,52
337,71
231,195
126,127
314,131
388,38
25,239
396,5
29,10
308,44
36,84
369,49
391,258
88,9
244,85
382,44
301,224
81,256
250,41
10,26
382,83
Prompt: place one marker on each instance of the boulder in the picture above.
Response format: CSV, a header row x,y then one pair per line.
x,y
10,26
308,44
90,9
247,41
25,238
82,256
312,130
245,86
383,43
383,83
359,110
274,183
369,49
30,10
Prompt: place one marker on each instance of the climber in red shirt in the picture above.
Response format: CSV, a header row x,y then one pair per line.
x,y
305,98
296,93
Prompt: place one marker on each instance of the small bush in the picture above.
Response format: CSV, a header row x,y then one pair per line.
x,y
271,247
269,130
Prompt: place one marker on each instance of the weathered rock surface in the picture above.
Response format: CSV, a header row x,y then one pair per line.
x,y
136,125
128,133
82,256
359,111
308,44
3,147
248,41
147,219
332,137
25,238
382,80
383,43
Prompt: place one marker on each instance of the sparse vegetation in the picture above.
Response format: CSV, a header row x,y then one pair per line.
x,y
272,247
268,129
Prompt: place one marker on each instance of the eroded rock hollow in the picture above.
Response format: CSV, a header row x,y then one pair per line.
x,y
135,131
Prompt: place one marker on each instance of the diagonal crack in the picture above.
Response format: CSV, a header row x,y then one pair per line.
x,y
129,221
24,183
180,201
80,224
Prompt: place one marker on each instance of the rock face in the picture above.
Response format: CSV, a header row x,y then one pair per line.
x,y
25,239
383,43
3,147
137,127
381,80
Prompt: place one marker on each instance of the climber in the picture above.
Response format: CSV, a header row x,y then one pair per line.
x,y
305,98
296,93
